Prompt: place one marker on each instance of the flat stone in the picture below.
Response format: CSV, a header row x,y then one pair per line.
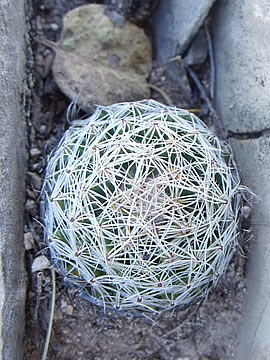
x,y
241,31
99,61
91,83
175,23
254,163
13,93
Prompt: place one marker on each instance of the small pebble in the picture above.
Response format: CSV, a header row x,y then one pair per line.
x,y
28,241
31,208
58,315
246,210
42,129
35,180
113,61
40,263
54,27
30,194
66,309
46,53
63,304
69,310
35,152
35,167
32,294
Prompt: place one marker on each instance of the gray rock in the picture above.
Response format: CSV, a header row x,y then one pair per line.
x,y
241,32
28,241
177,72
254,163
13,93
40,263
35,153
31,207
198,51
175,24
35,180
54,27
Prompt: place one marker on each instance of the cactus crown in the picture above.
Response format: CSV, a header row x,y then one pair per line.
x,y
140,206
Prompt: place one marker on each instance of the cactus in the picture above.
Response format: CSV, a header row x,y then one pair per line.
x,y
141,207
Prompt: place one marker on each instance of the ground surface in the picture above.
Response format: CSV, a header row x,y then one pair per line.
x,y
81,330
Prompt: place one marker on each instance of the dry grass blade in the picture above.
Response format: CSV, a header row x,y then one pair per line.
x,y
49,330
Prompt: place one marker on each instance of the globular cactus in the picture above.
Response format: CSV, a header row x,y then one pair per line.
x,y
141,206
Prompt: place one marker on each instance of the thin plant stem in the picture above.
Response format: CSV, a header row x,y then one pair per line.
x,y
49,331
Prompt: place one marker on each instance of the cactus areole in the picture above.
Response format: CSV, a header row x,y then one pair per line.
x,y
141,207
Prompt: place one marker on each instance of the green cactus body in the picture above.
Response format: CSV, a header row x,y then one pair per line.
x,y
141,206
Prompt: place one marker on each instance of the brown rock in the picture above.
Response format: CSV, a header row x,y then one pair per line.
x,y
95,83
99,61
90,33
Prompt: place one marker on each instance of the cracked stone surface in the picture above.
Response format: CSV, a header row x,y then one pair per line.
x,y
241,30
